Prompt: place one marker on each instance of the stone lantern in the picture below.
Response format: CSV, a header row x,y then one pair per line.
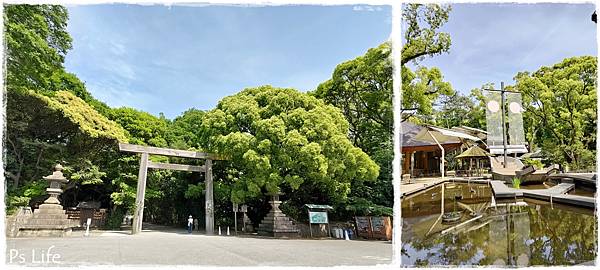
x,y
50,219
276,223
56,180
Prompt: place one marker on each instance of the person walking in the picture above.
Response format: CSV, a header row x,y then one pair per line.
x,y
190,223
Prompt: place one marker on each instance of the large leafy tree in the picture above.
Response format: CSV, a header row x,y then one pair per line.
x,y
561,111
283,140
362,89
143,128
461,110
420,91
422,38
36,44
43,130
184,132
51,117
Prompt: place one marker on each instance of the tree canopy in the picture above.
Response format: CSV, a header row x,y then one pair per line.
x,y
422,38
36,44
561,110
280,138
362,89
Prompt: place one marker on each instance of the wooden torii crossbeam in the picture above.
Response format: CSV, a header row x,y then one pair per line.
x,y
145,164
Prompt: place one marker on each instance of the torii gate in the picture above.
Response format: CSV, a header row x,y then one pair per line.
x,y
145,164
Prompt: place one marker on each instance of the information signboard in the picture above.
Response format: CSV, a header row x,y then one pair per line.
x,y
318,217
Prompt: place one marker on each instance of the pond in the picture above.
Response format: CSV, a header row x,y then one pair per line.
x,y
530,233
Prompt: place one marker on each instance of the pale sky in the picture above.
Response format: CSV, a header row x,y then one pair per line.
x,y
169,59
492,42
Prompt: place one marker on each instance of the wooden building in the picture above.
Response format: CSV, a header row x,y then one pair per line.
x,y
423,155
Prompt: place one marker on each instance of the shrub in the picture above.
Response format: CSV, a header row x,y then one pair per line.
x,y
516,182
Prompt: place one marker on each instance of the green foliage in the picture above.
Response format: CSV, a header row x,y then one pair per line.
x,y
36,43
421,25
184,132
115,219
422,38
459,110
560,110
363,207
536,163
90,174
143,128
362,89
516,182
277,138
421,89
83,115
194,191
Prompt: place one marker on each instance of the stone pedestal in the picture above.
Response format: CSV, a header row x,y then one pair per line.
x,y
50,219
276,223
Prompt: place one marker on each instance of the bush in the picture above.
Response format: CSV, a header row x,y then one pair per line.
x,y
536,163
115,219
14,202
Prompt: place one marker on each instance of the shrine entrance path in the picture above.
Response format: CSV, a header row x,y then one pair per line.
x,y
176,247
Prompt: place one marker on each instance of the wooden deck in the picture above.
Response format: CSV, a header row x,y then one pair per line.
x,y
553,194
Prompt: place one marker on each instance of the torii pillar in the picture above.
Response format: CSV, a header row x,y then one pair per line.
x,y
210,209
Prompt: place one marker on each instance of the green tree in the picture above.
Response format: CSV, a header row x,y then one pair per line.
x,y
362,89
560,110
283,140
420,90
44,130
422,38
36,44
143,128
421,25
184,132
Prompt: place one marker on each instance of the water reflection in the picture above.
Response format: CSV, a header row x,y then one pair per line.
x,y
535,234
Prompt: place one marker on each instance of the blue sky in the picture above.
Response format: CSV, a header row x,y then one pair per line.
x,y
492,42
169,59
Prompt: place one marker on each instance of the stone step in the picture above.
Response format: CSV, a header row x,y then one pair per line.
x,y
44,232
276,217
51,206
50,216
280,225
46,221
282,220
271,215
46,226
49,211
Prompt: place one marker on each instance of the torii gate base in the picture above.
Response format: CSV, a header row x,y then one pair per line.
x,y
138,216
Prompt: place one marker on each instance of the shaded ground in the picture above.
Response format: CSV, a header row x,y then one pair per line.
x,y
169,246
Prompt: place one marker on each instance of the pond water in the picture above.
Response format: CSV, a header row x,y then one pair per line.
x,y
532,233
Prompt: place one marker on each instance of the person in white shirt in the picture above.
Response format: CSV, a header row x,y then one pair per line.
x,y
190,223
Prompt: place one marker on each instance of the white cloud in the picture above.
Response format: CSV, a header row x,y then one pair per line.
x,y
366,8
